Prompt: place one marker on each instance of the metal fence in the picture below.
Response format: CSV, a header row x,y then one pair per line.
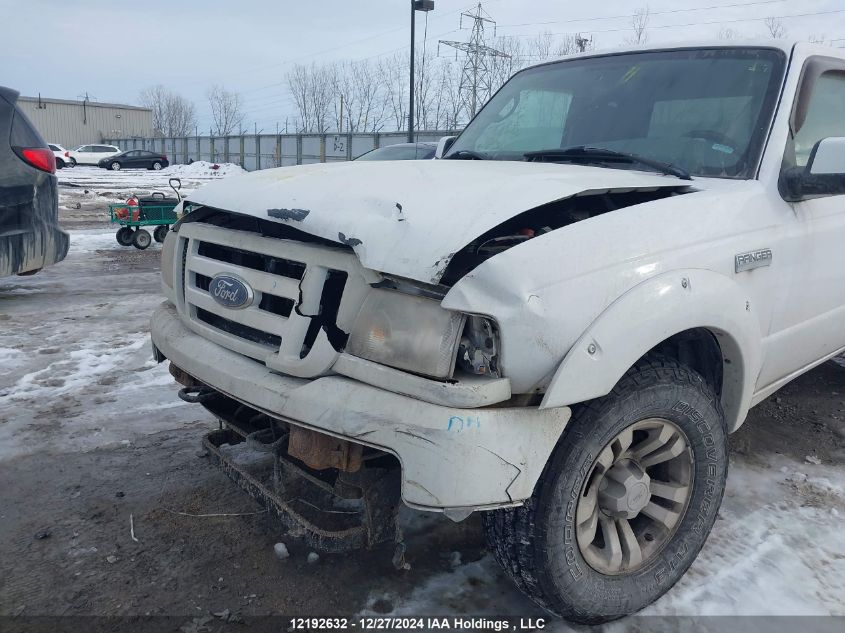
x,y
263,151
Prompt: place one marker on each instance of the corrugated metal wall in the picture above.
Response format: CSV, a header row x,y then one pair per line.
x,y
71,124
268,150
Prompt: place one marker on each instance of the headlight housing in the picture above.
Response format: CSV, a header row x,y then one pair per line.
x,y
407,332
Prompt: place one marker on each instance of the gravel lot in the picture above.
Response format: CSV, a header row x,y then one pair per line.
x,y
92,433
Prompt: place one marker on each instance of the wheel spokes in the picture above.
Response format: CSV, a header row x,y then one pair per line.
x,y
632,555
674,447
587,527
671,491
626,513
612,550
656,438
622,442
663,516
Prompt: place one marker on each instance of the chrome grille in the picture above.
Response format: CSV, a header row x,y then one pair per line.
x,y
299,309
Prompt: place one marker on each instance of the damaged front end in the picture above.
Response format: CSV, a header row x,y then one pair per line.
x,y
336,495
313,310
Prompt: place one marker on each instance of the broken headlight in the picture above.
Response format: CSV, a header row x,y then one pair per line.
x,y
407,332
478,352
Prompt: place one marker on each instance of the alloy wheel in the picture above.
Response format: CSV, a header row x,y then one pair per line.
x,y
634,497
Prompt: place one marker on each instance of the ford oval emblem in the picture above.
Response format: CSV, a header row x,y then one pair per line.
x,y
229,291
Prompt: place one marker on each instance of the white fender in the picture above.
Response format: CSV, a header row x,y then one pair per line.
x,y
648,314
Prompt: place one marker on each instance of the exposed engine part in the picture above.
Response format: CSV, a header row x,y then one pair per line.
x,y
544,219
320,451
478,352
333,510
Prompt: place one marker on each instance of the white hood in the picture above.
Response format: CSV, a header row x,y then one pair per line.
x,y
408,218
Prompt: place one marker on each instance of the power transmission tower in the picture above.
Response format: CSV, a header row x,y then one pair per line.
x,y
476,77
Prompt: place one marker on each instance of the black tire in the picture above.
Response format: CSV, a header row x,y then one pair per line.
x,y
156,166
73,162
115,166
125,236
537,544
142,239
60,163
160,233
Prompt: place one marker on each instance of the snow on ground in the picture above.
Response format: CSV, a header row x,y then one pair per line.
x,y
778,548
76,369
118,185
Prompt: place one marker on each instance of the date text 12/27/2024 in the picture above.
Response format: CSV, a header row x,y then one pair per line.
x,y
456,623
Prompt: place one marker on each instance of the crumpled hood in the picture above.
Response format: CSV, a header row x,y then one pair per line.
x,y
408,218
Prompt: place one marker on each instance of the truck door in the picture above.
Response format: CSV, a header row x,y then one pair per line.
x,y
811,322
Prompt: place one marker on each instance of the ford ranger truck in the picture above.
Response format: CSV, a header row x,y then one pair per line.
x,y
556,324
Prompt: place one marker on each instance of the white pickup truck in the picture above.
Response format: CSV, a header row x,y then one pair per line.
x,y
557,323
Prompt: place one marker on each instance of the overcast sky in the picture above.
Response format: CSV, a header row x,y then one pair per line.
x,y
112,49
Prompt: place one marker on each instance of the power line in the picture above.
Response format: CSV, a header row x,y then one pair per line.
x,y
631,15
674,26
476,80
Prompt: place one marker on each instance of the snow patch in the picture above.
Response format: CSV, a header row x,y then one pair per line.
x,y
776,549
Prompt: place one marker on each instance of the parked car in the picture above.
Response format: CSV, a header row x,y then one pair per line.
x,y
135,159
92,154
30,237
61,154
557,325
401,151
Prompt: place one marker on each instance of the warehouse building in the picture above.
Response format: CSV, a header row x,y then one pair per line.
x,y
75,123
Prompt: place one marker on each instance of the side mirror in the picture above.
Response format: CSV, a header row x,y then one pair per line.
x,y
823,176
443,145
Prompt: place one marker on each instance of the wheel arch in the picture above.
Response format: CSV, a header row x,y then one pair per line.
x,y
697,316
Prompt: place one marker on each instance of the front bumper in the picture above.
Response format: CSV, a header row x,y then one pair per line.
x,y
25,251
452,458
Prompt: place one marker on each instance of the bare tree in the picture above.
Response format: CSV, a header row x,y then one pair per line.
x,y
393,73
299,80
314,90
815,38
226,110
173,115
728,34
639,23
775,27
357,87
540,47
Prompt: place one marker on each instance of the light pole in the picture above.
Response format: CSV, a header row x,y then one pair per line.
x,y
416,5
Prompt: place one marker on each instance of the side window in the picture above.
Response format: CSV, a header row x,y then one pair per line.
x,y
24,133
825,114
85,148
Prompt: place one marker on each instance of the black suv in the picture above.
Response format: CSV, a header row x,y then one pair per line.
x,y
30,237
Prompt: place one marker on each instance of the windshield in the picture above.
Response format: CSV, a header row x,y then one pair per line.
x,y
400,152
706,111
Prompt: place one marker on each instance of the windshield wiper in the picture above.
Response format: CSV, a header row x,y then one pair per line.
x,y
600,154
466,154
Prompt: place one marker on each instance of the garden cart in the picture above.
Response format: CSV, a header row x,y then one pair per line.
x,y
156,210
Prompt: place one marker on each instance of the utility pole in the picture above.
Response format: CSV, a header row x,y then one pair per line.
x,y
85,101
425,6
340,130
476,83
